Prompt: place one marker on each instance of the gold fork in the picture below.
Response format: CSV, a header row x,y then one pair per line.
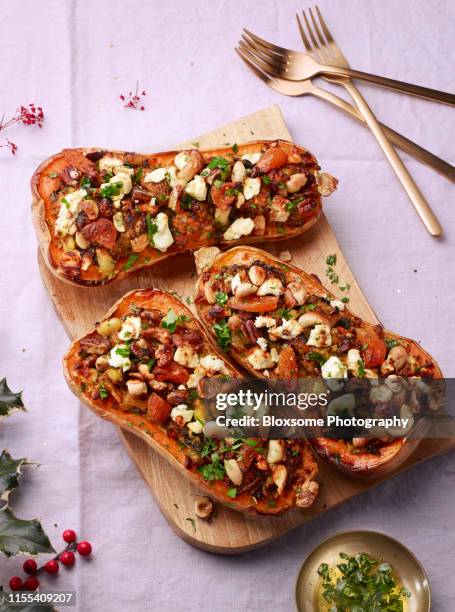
x,y
299,66
308,87
334,55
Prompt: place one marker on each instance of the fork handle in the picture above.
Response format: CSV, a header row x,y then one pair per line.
x,y
418,200
405,144
410,88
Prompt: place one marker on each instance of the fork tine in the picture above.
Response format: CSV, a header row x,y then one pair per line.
x,y
331,41
267,45
319,35
304,37
264,76
278,60
260,53
326,30
263,64
316,46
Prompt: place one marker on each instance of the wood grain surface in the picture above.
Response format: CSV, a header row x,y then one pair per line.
x,y
229,532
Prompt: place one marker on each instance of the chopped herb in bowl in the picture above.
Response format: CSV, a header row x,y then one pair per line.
x,y
360,584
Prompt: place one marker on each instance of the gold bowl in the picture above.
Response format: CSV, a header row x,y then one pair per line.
x,y
407,569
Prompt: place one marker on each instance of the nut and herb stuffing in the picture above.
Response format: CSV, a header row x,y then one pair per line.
x,y
142,368
279,322
102,215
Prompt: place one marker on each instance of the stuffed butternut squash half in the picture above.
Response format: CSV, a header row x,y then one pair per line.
x,y
142,368
101,215
280,322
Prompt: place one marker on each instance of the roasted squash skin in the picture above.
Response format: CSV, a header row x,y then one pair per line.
x,y
112,236
372,342
158,432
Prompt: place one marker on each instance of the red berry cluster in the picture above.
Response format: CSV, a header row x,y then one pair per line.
x,y
133,100
66,557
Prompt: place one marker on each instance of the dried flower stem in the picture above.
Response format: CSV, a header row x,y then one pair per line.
x,y
133,100
27,115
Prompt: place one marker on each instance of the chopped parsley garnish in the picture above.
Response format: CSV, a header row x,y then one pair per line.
x,y
193,396
85,183
332,275
345,300
292,204
331,260
218,162
111,190
186,201
232,492
250,442
223,334
315,356
266,179
131,260
192,521
214,470
232,191
363,585
152,228
361,371
285,313
123,351
138,174
235,147
391,343
200,421
104,393
209,447
150,363
236,444
171,320
221,298
222,164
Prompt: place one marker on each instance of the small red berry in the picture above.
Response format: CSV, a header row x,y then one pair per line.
x,y
52,567
15,583
67,558
29,566
84,549
31,584
69,536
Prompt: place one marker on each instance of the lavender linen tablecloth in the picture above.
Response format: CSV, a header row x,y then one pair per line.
x,y
75,59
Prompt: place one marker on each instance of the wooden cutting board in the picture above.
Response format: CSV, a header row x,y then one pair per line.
x,y
229,532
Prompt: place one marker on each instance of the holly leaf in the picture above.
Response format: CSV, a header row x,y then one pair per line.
x,y
10,470
9,401
17,535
